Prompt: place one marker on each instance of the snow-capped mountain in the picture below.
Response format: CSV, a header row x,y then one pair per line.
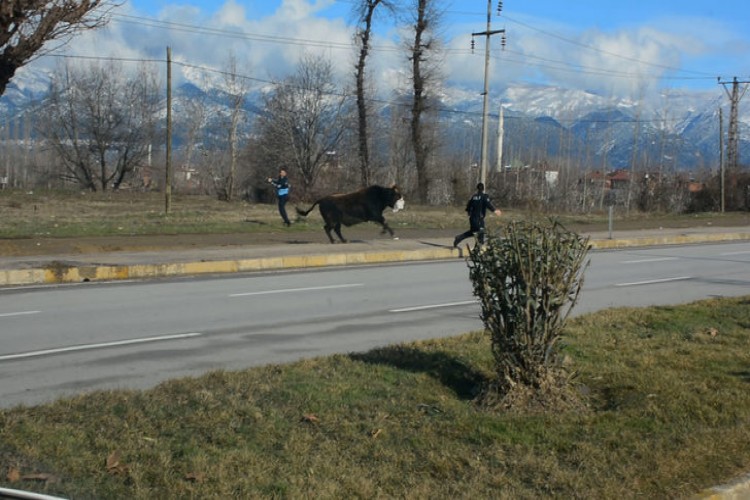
x,y
26,87
679,130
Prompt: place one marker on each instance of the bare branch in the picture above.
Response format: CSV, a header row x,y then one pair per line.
x,y
100,122
27,25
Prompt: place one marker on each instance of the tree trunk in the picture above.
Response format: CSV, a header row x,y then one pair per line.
x,y
418,105
364,153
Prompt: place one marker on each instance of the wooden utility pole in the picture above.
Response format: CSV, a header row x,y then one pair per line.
x,y
487,34
168,169
721,155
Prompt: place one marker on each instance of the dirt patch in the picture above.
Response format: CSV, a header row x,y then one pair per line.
x,y
166,242
293,236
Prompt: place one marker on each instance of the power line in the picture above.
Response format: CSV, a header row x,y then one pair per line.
x,y
559,65
578,68
606,52
585,46
348,95
257,37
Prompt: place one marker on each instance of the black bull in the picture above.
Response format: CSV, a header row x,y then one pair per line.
x,y
364,205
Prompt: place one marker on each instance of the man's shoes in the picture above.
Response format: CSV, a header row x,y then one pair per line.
x,y
287,224
456,241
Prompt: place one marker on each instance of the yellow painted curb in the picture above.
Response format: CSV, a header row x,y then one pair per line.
x,y
60,272
668,240
22,276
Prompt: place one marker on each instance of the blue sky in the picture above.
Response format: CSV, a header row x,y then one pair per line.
x,y
617,48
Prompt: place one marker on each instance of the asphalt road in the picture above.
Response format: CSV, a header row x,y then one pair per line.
x,y
68,339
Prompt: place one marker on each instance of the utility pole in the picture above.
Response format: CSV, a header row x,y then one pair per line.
x,y
733,157
721,155
733,140
487,34
168,166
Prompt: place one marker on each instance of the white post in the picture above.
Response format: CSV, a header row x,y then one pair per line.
x,y
500,133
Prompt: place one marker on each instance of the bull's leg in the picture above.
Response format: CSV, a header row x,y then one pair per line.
x,y
328,232
385,226
337,228
386,229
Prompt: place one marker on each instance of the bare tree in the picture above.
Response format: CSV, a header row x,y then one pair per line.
x,y
236,89
365,12
27,25
423,75
399,146
191,123
304,121
100,122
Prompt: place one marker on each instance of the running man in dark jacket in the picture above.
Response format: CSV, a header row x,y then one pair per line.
x,y
476,208
282,193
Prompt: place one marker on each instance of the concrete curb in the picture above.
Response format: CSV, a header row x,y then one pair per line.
x,y
55,271
60,272
680,239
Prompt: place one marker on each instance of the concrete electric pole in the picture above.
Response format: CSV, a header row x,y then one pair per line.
x,y
733,139
735,95
485,110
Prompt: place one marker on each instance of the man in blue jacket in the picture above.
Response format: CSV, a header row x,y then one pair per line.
x,y
476,207
282,193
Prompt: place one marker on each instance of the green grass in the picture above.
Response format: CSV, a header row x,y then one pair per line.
x,y
667,391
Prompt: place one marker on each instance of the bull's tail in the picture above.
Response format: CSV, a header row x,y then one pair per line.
x,y
303,213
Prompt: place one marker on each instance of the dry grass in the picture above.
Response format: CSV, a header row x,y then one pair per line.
x,y
669,409
55,214
63,214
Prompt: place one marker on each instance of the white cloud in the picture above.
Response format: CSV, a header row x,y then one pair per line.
x,y
265,48
633,61
630,61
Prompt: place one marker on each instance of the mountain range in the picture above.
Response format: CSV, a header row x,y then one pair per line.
x,y
541,123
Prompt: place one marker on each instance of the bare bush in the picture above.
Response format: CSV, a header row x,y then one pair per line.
x,y
527,280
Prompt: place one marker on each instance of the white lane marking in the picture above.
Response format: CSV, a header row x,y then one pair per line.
x,y
642,261
433,306
290,290
85,347
19,313
735,253
651,282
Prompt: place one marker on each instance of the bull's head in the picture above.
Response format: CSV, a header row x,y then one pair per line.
x,y
399,203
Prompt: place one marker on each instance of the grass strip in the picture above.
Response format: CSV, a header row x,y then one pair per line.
x,y
668,416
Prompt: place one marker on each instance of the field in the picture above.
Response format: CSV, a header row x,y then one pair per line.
x,y
83,222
